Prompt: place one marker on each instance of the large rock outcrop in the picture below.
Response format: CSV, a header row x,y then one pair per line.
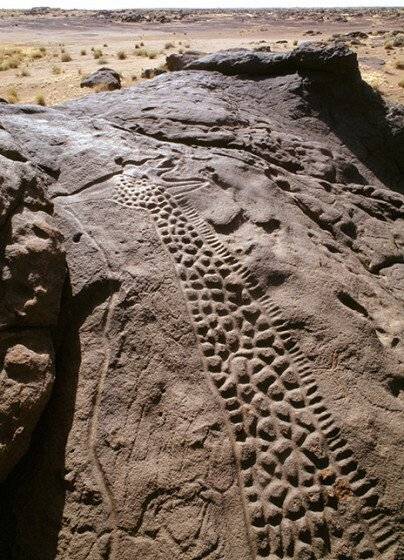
x,y
229,340
306,59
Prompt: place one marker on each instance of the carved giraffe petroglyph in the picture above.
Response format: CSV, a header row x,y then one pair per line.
x,y
305,496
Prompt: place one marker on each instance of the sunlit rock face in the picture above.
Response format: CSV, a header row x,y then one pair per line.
x,y
201,332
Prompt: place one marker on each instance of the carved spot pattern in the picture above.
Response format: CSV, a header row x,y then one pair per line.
x,y
304,493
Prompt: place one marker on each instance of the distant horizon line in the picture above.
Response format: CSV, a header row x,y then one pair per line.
x,y
352,7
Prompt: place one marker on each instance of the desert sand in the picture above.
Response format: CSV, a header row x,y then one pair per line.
x,y
51,50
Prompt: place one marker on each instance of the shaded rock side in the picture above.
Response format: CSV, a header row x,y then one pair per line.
x,y
229,348
32,275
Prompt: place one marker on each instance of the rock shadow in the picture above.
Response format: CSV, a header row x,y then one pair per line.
x,y
358,115
32,499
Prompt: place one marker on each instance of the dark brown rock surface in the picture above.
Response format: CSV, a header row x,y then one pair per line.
x,y
229,339
32,273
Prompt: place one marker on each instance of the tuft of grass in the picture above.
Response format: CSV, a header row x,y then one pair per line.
x,y
65,57
400,64
187,45
11,63
12,95
11,58
97,53
121,55
24,73
56,70
398,40
37,54
83,52
42,50
102,61
105,45
147,53
169,45
40,99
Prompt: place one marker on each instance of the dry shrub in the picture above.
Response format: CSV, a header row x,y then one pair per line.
x,y
65,57
10,58
147,53
169,45
121,55
83,52
12,95
40,99
97,53
56,70
37,54
398,40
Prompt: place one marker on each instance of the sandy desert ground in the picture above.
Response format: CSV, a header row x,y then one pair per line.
x,y
45,53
